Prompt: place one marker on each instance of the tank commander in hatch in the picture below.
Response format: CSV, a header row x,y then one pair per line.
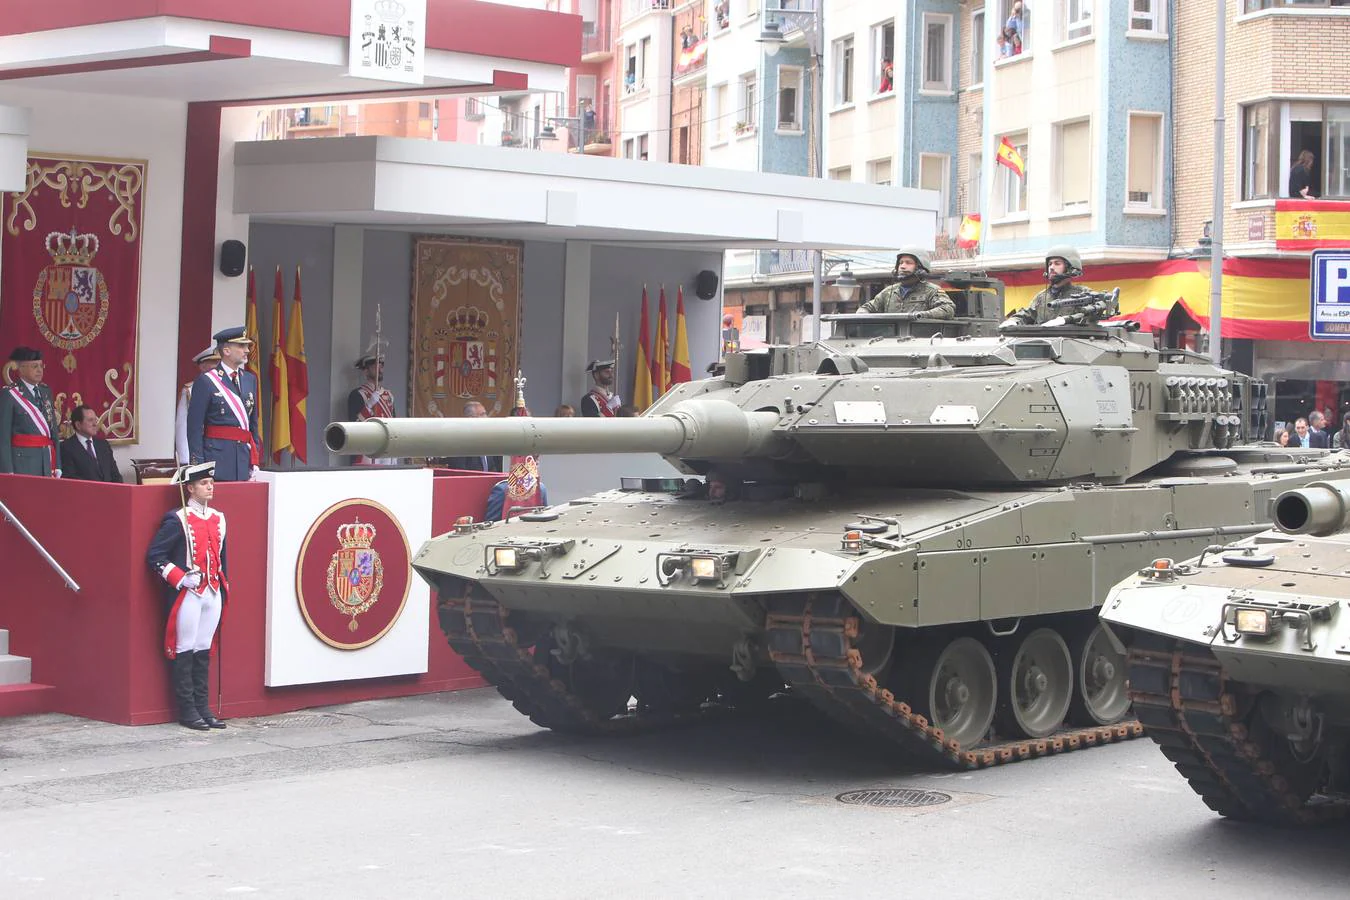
x,y
912,294
1081,306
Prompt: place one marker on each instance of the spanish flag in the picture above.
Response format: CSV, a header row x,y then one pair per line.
x,y
642,370
281,407
680,369
661,350
1007,155
254,364
968,235
297,376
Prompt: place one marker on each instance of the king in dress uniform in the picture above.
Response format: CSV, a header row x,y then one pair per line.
x,y
28,421
601,400
188,552
206,361
371,400
222,420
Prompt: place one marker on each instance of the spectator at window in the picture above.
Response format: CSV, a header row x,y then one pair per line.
x,y
1301,177
1016,26
887,77
723,13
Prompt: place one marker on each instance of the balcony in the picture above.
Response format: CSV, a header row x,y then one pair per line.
x,y
692,56
946,244
597,39
634,8
590,134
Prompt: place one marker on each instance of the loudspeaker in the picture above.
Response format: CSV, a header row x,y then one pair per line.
x,y
232,258
705,285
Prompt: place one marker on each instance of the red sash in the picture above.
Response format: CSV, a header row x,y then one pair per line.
x,y
381,406
602,404
34,440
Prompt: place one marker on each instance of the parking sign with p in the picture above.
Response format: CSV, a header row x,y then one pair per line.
x,y
1329,318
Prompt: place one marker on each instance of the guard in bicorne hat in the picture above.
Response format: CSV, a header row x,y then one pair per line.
x,y
371,400
206,361
28,420
521,490
188,552
222,420
601,400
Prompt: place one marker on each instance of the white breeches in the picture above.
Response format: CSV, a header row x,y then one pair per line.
x,y
198,616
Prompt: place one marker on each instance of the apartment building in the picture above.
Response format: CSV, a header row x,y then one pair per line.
x,y
645,38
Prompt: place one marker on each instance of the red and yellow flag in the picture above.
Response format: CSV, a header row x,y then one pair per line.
x,y
680,370
661,350
642,371
281,413
968,235
297,376
1007,155
254,364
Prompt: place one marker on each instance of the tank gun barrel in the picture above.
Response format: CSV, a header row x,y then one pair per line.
x,y
692,429
1320,508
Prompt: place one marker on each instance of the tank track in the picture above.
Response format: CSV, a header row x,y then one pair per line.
x,y
1187,705
810,641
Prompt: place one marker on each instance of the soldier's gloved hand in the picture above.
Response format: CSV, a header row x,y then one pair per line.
x,y
1008,323
253,474
192,581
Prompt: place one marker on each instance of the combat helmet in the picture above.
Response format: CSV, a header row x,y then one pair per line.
x,y
921,256
1070,256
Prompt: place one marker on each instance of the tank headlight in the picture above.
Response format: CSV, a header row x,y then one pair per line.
x,y
706,568
506,558
852,542
513,558
697,567
1255,622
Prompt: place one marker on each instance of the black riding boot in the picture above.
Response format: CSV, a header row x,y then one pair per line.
x,y
188,716
201,682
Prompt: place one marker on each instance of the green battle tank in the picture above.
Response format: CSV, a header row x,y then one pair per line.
x,y
912,524
1239,661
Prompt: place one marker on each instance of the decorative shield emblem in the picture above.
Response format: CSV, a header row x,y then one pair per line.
x,y
70,299
355,573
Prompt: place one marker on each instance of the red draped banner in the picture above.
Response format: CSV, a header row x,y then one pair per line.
x,y
70,278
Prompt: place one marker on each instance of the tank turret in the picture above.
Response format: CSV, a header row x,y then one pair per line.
x,y
1322,508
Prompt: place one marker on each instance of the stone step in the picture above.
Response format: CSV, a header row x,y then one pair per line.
x,y
15,669
4,641
26,699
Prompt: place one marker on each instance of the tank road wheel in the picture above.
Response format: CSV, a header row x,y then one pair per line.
x,y
1099,695
955,687
1036,682
667,690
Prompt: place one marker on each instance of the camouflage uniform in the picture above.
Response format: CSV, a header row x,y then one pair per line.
x,y
1039,312
926,299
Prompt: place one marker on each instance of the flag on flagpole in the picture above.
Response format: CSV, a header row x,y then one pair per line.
x,y
1007,155
968,235
661,350
254,363
642,369
680,369
297,376
281,413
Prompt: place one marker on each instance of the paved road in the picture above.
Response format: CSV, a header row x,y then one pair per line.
x,y
454,795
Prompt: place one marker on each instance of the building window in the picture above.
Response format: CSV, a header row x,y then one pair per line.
x,y
843,173
645,61
843,71
879,171
883,58
720,110
934,174
748,115
1011,188
1014,32
1074,165
975,184
424,110
1146,16
937,59
1143,179
976,48
1337,181
1257,5
628,145
790,98
630,69
1077,19
1257,140
642,146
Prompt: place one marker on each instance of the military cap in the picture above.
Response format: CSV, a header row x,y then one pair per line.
x,y
231,336
25,354
369,360
194,472
598,364
206,355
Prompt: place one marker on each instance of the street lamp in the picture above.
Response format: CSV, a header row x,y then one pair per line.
x,y
811,22
846,284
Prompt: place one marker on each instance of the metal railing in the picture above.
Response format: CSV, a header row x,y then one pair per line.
x,y
37,545
600,39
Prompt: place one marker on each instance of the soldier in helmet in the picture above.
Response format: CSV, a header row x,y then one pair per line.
x,y
912,294
1062,266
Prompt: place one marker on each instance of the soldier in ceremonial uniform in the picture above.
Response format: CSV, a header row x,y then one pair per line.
x,y
222,422
371,400
188,552
28,420
1062,266
521,489
601,400
206,361
912,294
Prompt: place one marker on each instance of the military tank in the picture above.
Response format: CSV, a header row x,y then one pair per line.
x,y
911,524
1239,662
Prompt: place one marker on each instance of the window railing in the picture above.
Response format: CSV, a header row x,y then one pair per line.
x,y
600,38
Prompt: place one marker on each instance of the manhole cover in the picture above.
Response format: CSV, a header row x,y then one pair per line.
x,y
893,797
320,720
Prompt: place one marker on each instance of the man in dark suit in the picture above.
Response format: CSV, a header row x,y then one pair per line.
x,y
222,425
1317,431
473,410
84,455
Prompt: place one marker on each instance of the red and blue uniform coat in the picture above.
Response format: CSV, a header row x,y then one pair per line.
x,y
188,542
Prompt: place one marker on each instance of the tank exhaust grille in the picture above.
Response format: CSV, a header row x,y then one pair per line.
x,y
893,798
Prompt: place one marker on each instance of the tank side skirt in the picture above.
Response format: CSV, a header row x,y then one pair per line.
x,y
810,640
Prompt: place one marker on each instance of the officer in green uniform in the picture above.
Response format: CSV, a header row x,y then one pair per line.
x,y
912,295
1086,307
28,423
